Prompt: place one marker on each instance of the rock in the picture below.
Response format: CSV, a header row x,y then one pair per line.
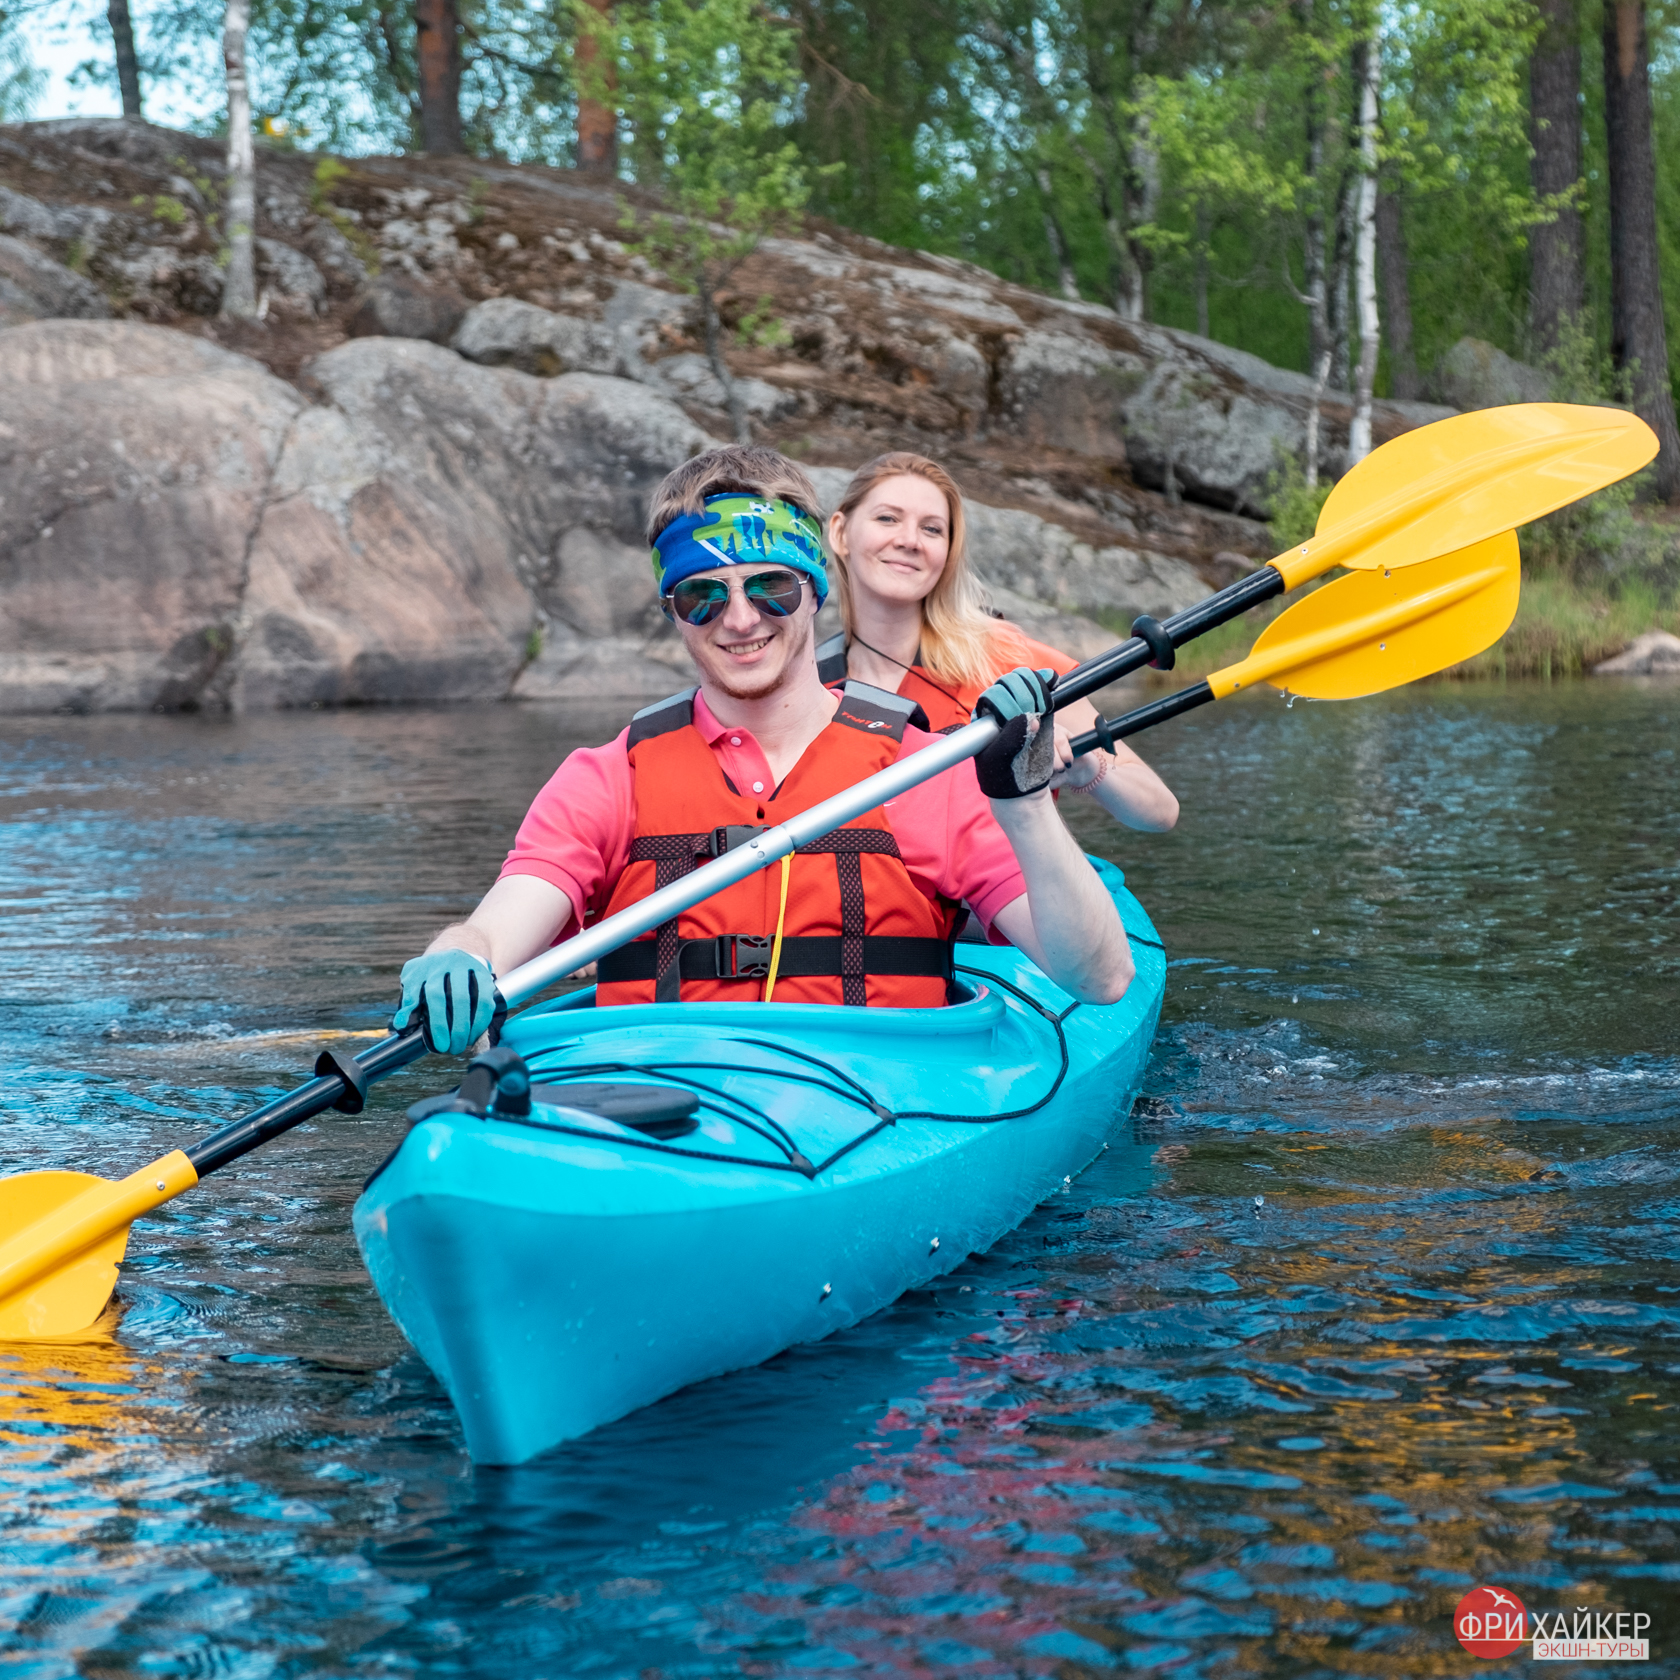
x,y
33,288
505,332
1475,374
134,466
290,275
446,531
1656,653
690,378
1223,420
395,306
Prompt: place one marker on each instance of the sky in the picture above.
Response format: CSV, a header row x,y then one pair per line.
x,y
62,34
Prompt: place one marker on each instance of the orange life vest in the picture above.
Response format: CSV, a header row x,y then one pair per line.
x,y
947,704
858,930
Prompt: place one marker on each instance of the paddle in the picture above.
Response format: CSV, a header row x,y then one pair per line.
x,y
1362,634
68,1231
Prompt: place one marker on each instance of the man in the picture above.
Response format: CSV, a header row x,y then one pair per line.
x,y
863,917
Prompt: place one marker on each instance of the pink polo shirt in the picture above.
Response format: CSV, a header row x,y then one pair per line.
x,y
577,833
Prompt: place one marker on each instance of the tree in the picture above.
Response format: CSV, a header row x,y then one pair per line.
x,y
239,280
1557,285
1638,340
597,122
707,90
128,64
437,51
1367,65
20,80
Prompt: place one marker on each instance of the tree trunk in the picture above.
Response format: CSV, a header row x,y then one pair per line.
x,y
1367,67
1312,253
239,283
1143,200
597,123
1321,377
714,354
1340,288
1202,237
128,63
1638,341
1053,236
1395,267
437,49
1557,276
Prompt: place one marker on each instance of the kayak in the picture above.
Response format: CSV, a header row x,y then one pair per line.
x,y
697,1186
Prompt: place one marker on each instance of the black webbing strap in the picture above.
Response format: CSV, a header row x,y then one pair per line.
x,y
740,956
676,855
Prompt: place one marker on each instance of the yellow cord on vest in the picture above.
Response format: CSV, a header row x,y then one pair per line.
x,y
781,917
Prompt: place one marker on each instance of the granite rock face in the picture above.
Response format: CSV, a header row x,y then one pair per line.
x,y
1476,374
1655,654
179,528
33,287
135,465
423,476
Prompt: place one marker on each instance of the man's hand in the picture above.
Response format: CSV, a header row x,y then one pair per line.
x,y
1023,757
458,993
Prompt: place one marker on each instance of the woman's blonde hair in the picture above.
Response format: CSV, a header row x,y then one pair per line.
x,y
957,627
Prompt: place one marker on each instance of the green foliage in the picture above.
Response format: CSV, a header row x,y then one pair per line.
x,y
707,92
328,173
763,328
162,207
1292,506
20,79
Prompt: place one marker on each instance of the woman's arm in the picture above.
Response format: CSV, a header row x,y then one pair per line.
x,y
1066,921
1128,790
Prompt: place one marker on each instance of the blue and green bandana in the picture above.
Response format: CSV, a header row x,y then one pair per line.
x,y
739,530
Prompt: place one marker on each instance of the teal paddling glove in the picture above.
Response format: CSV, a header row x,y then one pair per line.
x,y
1017,693
454,993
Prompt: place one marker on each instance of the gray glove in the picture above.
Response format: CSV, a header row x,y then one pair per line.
x,y
1021,760
1017,693
455,993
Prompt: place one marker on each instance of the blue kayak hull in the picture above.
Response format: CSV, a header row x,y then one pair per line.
x,y
560,1271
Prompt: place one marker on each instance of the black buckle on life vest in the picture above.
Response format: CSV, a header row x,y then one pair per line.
x,y
727,838
742,956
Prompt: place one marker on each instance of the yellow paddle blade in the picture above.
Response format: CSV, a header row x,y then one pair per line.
x,y
1447,486
62,1236
1371,631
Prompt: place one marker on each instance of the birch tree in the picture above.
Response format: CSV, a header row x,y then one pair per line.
x,y
1367,60
239,280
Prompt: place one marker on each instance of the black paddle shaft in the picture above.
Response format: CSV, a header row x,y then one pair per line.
x,y
340,1082
1146,649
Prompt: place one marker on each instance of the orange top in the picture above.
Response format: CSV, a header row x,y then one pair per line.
x,y
949,705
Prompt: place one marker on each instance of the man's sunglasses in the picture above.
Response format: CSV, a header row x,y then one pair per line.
x,y
699,600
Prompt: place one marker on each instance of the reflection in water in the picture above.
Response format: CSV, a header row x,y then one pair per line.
x,y
1375,1297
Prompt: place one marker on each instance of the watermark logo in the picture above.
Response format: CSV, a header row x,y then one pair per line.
x,y
1587,1635
1491,1622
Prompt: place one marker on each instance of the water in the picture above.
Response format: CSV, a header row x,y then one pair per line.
x,y
1376,1296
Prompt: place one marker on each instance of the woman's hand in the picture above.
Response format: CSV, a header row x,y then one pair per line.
x,y
1074,773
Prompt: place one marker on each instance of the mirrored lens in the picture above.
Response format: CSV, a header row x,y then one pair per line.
x,y
776,593
699,600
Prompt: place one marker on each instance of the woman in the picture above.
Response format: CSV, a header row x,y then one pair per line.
x,y
915,623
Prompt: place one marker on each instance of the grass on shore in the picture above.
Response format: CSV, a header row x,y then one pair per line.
x,y
1596,574
1563,628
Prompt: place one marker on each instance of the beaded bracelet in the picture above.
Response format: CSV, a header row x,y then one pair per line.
x,y
1096,781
